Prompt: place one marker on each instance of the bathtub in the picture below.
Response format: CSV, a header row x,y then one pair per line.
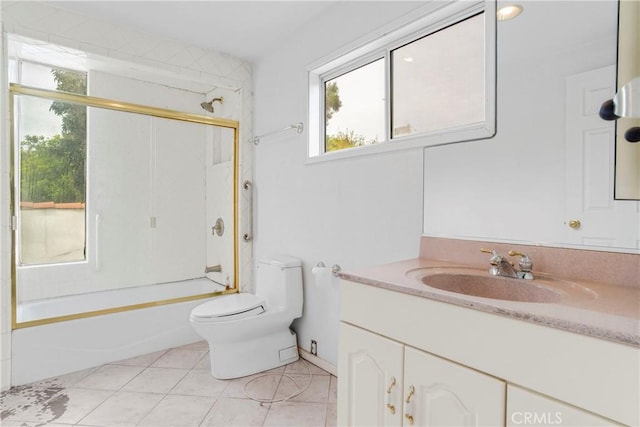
x,y
53,349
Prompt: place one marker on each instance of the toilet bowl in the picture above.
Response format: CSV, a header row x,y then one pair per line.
x,y
249,333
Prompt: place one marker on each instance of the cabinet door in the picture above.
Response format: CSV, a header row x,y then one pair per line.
x,y
442,393
369,379
532,409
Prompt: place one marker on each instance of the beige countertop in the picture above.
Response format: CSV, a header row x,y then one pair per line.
x,y
611,312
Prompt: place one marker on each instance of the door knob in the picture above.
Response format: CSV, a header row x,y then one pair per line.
x,y
574,223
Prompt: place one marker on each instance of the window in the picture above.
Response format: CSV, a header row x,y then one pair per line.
x,y
431,82
50,138
354,108
438,80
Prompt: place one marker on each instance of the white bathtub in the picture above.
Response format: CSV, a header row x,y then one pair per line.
x,y
44,351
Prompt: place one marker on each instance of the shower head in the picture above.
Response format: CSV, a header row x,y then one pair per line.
x,y
209,105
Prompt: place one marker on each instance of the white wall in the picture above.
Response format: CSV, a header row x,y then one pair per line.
x,y
352,212
512,187
364,211
5,237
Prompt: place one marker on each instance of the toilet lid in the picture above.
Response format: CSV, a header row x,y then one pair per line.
x,y
236,306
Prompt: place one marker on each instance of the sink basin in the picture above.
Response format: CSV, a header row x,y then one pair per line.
x,y
494,287
479,283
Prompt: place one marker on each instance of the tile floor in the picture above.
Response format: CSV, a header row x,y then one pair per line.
x,y
172,388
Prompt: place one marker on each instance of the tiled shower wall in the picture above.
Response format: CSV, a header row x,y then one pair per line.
x,y
168,58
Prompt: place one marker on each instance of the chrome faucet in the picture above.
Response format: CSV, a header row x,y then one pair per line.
x,y
501,267
525,265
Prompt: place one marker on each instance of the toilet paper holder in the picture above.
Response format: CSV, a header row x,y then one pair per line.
x,y
335,269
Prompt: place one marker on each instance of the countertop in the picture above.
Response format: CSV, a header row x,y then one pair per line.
x,y
614,313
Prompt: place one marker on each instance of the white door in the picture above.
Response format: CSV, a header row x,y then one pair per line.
x,y
442,393
369,379
592,217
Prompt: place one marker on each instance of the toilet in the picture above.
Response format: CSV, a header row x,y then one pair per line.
x,y
249,333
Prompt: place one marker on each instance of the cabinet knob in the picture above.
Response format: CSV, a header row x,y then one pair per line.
x,y
392,408
409,419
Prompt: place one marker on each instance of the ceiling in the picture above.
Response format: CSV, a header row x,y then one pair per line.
x,y
246,29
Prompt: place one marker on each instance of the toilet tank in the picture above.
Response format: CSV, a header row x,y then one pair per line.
x,y
279,281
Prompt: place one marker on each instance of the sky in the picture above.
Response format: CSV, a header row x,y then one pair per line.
x,y
362,94
36,119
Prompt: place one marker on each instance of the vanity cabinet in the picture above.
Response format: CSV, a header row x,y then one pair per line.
x,y
525,407
385,383
370,382
459,366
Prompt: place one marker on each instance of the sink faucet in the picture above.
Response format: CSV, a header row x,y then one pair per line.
x,y
501,267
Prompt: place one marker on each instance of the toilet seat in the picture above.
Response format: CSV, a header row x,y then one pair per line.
x,y
229,307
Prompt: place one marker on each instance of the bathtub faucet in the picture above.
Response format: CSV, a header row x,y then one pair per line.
x,y
213,269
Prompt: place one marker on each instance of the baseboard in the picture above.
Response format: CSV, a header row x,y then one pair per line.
x,y
322,364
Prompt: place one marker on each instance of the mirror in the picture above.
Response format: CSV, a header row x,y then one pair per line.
x,y
547,177
627,175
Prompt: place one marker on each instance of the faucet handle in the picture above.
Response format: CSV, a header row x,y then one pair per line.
x,y
525,263
490,251
495,256
495,260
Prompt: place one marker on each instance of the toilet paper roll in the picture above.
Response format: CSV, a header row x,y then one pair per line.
x,y
322,276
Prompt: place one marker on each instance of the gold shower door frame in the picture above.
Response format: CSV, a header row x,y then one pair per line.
x,y
92,101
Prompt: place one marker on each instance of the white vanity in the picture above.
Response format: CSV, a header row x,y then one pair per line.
x,y
413,355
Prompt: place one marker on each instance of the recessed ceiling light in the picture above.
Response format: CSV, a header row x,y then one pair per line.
x,y
508,12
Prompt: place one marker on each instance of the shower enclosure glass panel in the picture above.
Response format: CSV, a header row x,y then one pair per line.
x,y
155,188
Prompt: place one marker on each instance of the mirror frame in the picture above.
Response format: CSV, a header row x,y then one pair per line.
x,y
627,154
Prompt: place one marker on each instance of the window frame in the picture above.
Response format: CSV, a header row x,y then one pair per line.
x,y
433,17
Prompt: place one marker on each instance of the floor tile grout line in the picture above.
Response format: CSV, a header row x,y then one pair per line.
x,y
206,354
111,393
150,410
211,405
214,400
211,410
121,389
204,417
168,393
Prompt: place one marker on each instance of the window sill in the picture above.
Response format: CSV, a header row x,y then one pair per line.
x,y
470,133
